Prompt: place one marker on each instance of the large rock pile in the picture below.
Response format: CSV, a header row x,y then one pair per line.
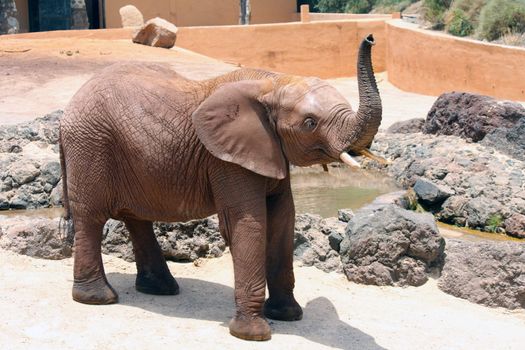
x,y
462,183
29,164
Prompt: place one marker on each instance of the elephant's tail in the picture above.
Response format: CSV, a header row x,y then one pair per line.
x,y
66,222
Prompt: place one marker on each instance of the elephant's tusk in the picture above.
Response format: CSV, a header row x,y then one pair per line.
x,y
348,160
368,154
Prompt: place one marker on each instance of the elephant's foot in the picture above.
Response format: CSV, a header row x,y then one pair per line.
x,y
151,283
250,328
94,292
283,309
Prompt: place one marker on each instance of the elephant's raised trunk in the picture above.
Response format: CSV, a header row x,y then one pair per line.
x,y
368,116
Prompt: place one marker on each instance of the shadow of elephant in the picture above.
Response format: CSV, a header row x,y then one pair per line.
x,y
211,301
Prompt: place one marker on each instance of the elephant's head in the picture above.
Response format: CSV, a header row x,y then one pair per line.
x,y
263,119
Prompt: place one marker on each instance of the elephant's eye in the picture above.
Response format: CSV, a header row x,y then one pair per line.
x,y
310,123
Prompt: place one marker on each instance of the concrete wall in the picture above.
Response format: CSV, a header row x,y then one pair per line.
x,y
203,12
432,63
323,49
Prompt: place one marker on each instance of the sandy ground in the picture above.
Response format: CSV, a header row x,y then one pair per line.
x,y
45,78
38,313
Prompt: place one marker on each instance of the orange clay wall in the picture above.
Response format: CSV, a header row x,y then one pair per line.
x,y
323,49
203,12
431,63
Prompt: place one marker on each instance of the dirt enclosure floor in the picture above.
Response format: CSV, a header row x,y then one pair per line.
x,y
38,313
40,75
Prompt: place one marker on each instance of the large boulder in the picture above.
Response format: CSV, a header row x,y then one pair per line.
x,y
488,273
156,32
460,182
391,246
131,16
471,116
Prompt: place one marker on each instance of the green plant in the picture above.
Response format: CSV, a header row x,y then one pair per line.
x,y
494,223
457,23
338,6
500,17
434,12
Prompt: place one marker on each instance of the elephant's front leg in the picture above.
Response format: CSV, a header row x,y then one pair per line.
x,y
240,197
281,304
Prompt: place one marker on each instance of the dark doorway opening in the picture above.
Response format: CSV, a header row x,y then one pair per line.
x,y
49,15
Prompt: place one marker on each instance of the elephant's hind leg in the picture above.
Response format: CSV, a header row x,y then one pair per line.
x,y
90,285
153,274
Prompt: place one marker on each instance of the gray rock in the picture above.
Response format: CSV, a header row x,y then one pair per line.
x,y
36,237
407,126
55,198
4,203
482,212
470,116
391,246
334,229
515,225
430,193
345,214
50,172
23,172
312,246
508,140
488,273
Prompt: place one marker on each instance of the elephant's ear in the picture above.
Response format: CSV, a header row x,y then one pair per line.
x,y
234,126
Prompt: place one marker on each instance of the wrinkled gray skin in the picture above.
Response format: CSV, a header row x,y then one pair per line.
x,y
139,143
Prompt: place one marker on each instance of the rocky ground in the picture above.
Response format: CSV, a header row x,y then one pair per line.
x,y
465,161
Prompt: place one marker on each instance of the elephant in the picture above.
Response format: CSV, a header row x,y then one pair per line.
x,y
140,143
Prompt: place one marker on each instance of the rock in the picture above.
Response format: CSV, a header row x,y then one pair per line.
x,y
23,172
156,32
18,203
407,126
36,237
508,140
470,116
483,212
131,16
312,246
50,172
515,225
179,241
55,197
391,246
430,193
334,229
4,203
489,273
345,214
